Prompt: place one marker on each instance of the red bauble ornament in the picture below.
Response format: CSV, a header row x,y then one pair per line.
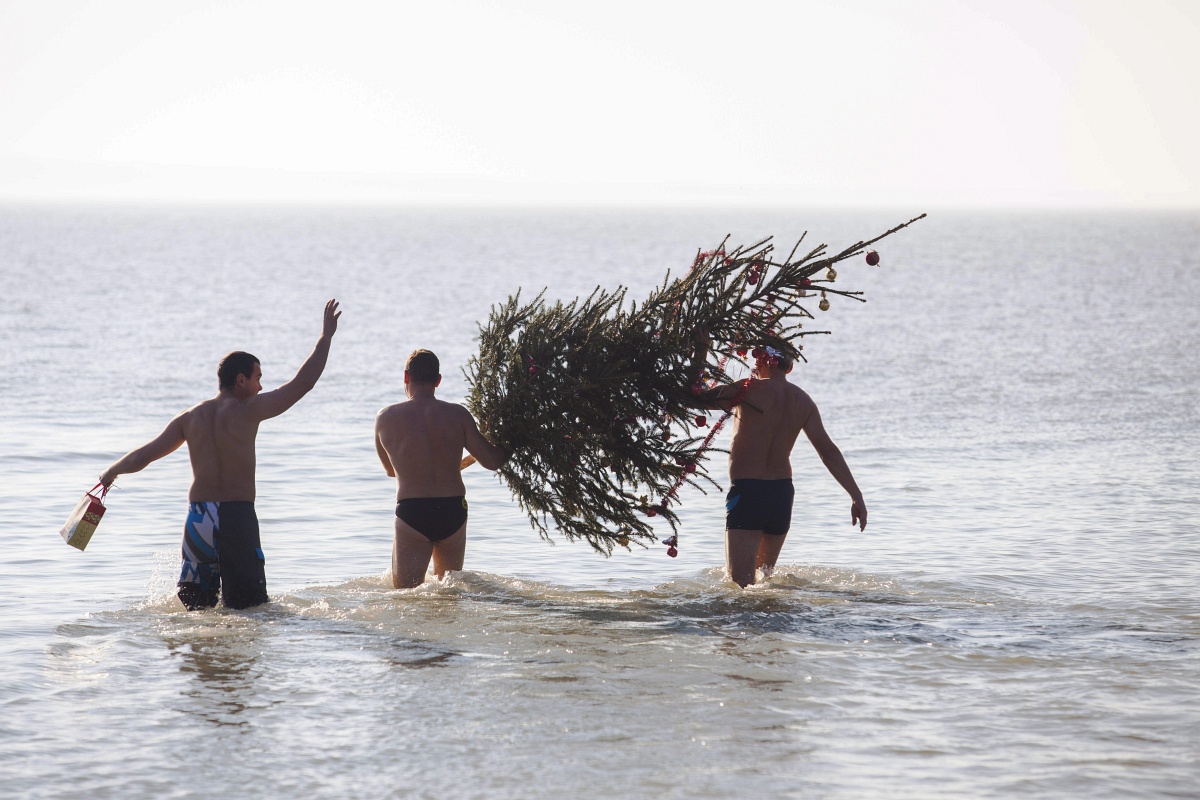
x,y
752,278
652,512
672,552
741,351
873,258
701,421
690,468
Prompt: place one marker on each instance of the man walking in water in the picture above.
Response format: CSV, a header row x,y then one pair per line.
x,y
420,443
221,549
767,421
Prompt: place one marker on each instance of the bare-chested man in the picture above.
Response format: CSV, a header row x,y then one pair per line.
x,y
767,422
420,443
222,554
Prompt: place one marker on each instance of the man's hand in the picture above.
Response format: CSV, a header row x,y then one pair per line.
x,y
858,514
331,318
107,477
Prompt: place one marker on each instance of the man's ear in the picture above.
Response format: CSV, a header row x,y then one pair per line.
x,y
438,382
405,377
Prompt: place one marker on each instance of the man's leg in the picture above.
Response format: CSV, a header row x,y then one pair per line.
x,y
777,507
195,598
410,556
741,554
448,554
200,577
243,566
768,552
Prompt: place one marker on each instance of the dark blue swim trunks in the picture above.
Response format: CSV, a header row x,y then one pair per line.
x,y
222,556
758,505
435,518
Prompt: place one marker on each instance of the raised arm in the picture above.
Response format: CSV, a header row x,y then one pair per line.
x,y
137,460
487,454
271,404
832,457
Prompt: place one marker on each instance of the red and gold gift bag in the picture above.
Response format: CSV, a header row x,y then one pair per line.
x,y
84,519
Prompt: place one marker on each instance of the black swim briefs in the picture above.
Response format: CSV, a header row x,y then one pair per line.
x,y
758,505
222,555
435,518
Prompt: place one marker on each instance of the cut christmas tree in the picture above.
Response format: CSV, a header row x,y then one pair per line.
x,y
596,399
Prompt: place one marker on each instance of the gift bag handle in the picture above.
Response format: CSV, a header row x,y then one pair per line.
x,y
103,491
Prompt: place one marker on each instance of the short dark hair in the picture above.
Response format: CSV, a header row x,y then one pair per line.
x,y
784,361
234,364
422,367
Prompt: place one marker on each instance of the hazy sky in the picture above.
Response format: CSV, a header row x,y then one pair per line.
x,y
846,102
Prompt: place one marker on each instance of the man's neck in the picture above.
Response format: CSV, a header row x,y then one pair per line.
x,y
417,391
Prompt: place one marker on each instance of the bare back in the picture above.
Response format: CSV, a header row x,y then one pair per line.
x,y
765,429
423,440
220,436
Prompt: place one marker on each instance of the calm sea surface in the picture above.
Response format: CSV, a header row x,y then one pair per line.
x,y
1019,399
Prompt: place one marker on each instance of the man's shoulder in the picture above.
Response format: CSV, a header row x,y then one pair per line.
x,y
204,408
798,395
796,390
196,423
392,416
389,410
800,405
453,413
782,395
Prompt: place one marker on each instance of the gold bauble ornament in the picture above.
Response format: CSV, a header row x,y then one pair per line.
x,y
831,275
623,540
824,304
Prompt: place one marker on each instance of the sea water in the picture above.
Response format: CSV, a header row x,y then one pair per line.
x,y
1017,399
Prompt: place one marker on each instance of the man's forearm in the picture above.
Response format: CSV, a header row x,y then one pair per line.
x,y
835,462
137,460
718,398
493,459
133,461
723,398
312,368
